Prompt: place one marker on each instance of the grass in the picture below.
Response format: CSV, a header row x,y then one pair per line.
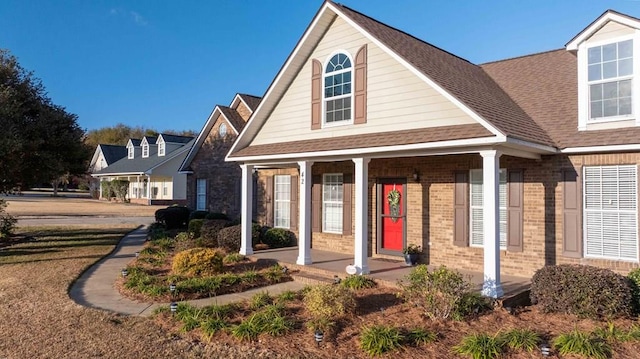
x,y
380,339
581,343
358,282
480,346
521,339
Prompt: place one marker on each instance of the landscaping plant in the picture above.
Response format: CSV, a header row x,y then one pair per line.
x,y
195,226
585,291
480,346
278,238
197,261
7,221
329,301
581,343
209,231
420,336
380,339
357,282
521,339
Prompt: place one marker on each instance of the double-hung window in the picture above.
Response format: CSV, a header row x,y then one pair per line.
x,y
332,203
130,152
610,75
282,201
337,90
145,150
476,229
611,212
161,148
201,194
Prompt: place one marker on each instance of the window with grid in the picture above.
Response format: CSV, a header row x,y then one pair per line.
x,y
161,149
332,203
476,228
145,151
130,152
610,75
611,212
337,90
201,194
281,202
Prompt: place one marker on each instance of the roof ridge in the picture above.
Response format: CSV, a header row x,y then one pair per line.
x,y
403,32
522,56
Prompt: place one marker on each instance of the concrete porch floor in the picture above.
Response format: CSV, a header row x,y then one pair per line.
x,y
385,270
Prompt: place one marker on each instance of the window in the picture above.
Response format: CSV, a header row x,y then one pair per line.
x,y
476,227
161,148
282,197
165,189
201,194
222,130
611,212
609,75
332,203
145,150
130,152
337,90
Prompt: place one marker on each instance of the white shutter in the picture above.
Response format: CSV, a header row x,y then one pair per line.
x,y
611,217
476,211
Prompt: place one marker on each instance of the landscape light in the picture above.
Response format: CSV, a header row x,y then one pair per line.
x,y
318,336
285,270
545,349
172,288
137,254
336,279
124,272
173,307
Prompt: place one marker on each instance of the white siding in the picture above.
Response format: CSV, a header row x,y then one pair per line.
x,y
611,30
396,98
178,188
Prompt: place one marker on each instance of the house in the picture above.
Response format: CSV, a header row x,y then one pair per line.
x,y
212,183
151,165
374,139
103,156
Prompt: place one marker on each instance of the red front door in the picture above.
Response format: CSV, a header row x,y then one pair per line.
x,y
392,216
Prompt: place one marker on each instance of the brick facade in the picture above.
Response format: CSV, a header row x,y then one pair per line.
x,y
430,217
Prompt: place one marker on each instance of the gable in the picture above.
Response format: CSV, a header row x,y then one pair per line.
x,y
397,99
611,29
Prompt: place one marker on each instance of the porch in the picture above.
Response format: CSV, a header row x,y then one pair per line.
x,y
387,272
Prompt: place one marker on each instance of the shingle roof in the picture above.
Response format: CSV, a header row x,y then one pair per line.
x,y
176,138
405,137
135,141
233,116
467,82
151,139
250,100
113,153
545,85
140,164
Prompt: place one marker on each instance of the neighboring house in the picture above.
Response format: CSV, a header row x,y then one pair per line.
x,y
212,183
103,156
151,166
503,167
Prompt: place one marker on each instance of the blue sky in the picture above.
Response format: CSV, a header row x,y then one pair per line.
x,y
166,64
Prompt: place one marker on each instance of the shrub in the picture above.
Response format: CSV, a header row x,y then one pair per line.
x,y
420,336
214,215
210,229
176,217
160,215
634,277
198,215
441,294
7,221
197,261
229,238
278,238
577,342
479,346
156,231
357,282
379,339
269,320
233,258
286,296
329,301
521,339
585,291
612,334
257,233
195,225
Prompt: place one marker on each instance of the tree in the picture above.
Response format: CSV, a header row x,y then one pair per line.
x,y
41,141
121,133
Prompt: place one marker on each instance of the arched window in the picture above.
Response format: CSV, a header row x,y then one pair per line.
x,y
337,90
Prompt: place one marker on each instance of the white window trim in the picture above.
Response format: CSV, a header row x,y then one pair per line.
x,y
199,194
585,212
161,148
145,151
277,200
324,100
131,152
584,105
324,180
220,131
471,207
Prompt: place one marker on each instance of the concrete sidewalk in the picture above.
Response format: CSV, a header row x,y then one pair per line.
x,y
95,287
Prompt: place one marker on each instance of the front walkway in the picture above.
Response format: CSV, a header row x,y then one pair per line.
x,y
95,287
384,270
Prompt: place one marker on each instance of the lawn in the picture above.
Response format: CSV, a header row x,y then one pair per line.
x,y
41,321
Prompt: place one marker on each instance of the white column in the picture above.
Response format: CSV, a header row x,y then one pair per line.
x,y
361,179
491,217
304,214
246,246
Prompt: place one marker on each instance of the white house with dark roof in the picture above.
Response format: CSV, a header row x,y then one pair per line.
x,y
369,140
151,165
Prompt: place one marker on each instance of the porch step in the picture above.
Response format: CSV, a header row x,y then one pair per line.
x,y
310,278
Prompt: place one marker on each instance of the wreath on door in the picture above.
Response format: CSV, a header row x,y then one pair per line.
x,y
393,198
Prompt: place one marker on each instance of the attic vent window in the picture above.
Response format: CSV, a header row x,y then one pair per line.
x,y
130,152
337,90
145,150
161,149
610,80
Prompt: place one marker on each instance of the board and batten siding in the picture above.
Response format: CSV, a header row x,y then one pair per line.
x,y
611,30
396,98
